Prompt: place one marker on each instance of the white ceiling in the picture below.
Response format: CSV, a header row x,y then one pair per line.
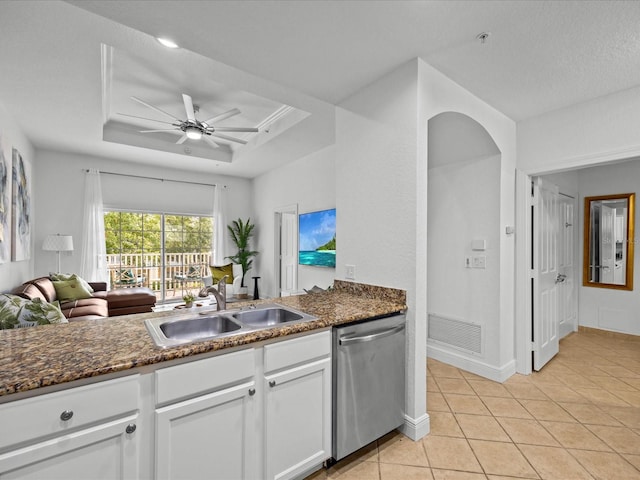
x,y
541,56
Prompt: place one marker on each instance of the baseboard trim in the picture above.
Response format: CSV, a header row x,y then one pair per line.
x,y
414,428
629,337
497,374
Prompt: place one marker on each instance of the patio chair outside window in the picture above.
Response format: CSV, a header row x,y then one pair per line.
x,y
126,278
194,274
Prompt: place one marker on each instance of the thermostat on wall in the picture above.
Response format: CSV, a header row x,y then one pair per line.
x,y
479,244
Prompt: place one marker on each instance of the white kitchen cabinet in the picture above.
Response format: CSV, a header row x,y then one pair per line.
x,y
297,386
73,434
208,436
208,428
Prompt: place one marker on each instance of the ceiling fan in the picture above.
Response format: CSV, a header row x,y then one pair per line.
x,y
192,128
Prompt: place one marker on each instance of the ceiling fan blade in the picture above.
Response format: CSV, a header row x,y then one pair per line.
x,y
188,106
235,129
227,137
182,139
210,142
144,118
155,108
222,116
162,130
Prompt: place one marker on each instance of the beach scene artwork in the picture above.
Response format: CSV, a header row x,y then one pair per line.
x,y
317,241
20,209
5,205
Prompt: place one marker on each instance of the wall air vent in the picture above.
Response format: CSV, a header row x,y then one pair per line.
x,y
463,335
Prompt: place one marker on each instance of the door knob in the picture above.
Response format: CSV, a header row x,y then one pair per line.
x,y
560,278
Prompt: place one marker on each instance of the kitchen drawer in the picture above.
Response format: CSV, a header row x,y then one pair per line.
x,y
296,351
203,376
40,417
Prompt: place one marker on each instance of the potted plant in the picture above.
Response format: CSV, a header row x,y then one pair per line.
x,y
188,299
241,232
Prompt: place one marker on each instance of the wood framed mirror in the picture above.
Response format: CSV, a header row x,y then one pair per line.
x,y
609,241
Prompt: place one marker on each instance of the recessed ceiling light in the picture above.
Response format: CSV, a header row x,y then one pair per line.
x,y
167,42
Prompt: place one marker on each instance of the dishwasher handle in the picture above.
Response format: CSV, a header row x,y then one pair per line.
x,y
368,338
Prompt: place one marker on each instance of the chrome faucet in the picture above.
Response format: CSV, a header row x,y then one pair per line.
x,y
220,293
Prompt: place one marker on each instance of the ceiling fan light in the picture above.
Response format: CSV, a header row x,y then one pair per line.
x,y
193,133
167,42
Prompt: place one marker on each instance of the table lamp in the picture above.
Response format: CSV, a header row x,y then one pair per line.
x,y
58,243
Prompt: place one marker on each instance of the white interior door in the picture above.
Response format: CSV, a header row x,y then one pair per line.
x,y
288,253
567,298
545,273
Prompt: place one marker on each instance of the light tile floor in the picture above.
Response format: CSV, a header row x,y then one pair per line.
x,y
578,418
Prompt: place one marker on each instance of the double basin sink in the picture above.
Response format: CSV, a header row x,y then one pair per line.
x,y
208,325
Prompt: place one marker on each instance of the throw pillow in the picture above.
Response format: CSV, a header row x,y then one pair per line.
x,y
69,290
218,272
71,276
10,306
41,313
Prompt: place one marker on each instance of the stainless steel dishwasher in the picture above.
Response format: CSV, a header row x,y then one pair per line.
x,y
368,382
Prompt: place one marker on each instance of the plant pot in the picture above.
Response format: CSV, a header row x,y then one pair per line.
x,y
243,292
188,304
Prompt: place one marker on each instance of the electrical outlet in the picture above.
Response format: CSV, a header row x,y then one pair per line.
x,y
467,261
351,272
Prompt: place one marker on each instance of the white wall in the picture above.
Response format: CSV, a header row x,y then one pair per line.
x,y
377,165
59,193
440,94
581,135
13,274
464,199
311,184
615,310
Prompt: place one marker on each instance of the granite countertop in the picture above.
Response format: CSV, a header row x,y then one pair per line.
x,y
32,358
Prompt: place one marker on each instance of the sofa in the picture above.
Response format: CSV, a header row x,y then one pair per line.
x,y
100,304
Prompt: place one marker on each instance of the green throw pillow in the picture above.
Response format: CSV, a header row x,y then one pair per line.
x,y
69,290
41,312
71,276
218,272
10,306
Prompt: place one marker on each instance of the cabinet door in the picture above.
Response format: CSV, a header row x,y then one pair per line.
x,y
105,451
208,436
298,419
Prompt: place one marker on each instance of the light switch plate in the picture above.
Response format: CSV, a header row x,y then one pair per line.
x,y
351,272
479,261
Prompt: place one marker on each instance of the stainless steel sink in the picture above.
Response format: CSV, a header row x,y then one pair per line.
x,y
208,325
268,316
202,327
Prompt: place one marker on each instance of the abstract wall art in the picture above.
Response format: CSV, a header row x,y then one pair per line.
x,y
20,209
5,206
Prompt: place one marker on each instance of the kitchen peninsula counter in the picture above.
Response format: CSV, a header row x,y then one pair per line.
x,y
32,358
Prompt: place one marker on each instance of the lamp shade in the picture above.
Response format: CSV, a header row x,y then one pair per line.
x,y
58,243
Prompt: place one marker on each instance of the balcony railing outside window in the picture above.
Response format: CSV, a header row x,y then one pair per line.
x,y
157,271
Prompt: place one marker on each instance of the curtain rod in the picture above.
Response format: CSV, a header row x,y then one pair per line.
x,y
159,179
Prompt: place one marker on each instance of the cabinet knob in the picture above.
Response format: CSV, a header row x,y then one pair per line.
x,y
272,383
252,392
131,428
66,415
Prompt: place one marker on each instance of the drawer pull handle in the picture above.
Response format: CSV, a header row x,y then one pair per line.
x,y
252,392
272,383
131,428
66,415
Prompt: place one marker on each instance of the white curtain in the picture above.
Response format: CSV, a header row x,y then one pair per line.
x,y
219,237
94,249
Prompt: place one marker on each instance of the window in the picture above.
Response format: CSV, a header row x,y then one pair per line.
x,y
167,253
